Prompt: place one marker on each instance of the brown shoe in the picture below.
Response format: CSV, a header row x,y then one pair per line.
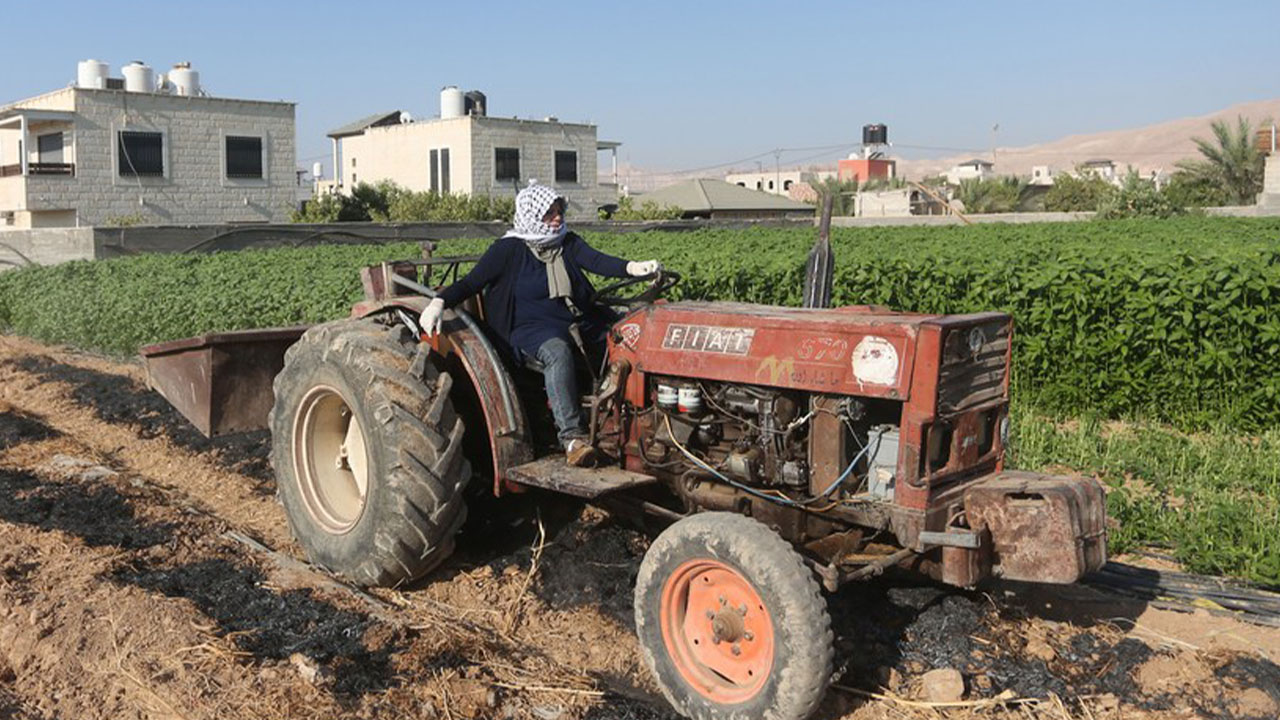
x,y
579,454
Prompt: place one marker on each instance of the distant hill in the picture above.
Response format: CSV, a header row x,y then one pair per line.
x,y
1152,147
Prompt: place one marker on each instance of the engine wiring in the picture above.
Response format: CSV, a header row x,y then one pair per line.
x,y
776,497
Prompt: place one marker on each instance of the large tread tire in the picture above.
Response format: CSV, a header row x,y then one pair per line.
x,y
414,503
801,626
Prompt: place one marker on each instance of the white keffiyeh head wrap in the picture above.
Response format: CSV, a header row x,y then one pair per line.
x,y
544,241
532,204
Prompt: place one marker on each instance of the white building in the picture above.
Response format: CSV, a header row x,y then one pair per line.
x,y
1103,168
1041,175
974,169
466,150
778,182
97,153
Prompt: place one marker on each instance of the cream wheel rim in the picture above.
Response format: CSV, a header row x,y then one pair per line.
x,y
331,459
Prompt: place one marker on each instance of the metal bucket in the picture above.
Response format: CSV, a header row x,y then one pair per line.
x,y
221,382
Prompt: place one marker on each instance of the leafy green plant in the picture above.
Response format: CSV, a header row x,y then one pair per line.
x,y
1082,193
648,210
992,195
1176,319
1230,162
1137,197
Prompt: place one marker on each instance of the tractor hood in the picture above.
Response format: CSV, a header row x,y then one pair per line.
x,y
862,350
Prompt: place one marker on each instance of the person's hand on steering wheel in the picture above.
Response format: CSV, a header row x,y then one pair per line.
x,y
641,268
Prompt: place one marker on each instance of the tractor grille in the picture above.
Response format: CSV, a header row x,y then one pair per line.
x,y
974,366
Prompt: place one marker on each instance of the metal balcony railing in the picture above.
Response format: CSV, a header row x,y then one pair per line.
x,y
39,169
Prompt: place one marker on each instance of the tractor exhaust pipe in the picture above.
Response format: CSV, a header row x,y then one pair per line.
x,y
819,270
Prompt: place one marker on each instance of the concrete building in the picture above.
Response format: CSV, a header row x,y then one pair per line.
x,y
863,169
106,151
899,202
974,169
466,150
1041,175
778,182
1102,167
1269,145
717,200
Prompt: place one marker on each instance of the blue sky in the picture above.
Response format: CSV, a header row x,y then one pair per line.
x,y
692,84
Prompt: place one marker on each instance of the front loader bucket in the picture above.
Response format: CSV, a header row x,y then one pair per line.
x,y
221,382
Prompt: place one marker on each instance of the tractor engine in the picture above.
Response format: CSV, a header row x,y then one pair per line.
x,y
736,445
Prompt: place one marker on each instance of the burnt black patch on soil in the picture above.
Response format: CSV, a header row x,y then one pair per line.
x,y
95,512
272,625
118,399
914,629
18,428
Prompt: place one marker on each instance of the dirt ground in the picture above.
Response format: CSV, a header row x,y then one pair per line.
x,y
146,572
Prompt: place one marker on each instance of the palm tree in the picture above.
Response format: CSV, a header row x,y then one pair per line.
x,y
1231,162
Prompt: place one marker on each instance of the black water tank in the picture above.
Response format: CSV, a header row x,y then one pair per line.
x,y
875,134
473,103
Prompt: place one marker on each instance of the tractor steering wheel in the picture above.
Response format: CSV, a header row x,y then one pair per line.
x,y
659,283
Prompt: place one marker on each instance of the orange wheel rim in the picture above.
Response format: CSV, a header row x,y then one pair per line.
x,y
717,631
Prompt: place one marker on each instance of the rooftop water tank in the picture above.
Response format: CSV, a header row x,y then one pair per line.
x,y
476,103
186,82
139,77
875,134
92,74
317,171
452,103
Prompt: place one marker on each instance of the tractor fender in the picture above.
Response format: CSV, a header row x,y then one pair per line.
x,y
490,385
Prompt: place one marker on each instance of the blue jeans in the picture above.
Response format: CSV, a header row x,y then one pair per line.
x,y
556,356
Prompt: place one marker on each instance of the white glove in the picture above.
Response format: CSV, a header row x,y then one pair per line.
x,y
432,317
642,268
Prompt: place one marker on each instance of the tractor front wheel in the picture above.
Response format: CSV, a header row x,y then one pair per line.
x,y
731,621
367,452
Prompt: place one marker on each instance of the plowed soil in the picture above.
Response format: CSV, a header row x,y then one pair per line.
x,y
146,572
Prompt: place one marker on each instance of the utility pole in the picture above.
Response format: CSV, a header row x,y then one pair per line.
x,y
777,169
994,129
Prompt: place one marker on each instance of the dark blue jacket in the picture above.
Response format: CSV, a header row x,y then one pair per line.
x,y
498,269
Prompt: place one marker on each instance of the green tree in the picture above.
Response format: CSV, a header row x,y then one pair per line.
x,y
992,195
648,210
843,193
1230,161
1137,197
1084,192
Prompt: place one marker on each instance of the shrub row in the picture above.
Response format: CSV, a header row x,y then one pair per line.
x,y
1173,319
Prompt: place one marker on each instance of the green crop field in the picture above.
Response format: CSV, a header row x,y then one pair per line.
x,y
1175,323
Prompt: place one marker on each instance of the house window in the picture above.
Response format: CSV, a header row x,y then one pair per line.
x,y
786,184
140,154
435,170
50,148
566,166
444,170
506,164
244,157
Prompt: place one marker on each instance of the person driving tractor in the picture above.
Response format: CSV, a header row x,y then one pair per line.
x,y
536,292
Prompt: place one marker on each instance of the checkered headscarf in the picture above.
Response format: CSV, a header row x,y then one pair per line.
x,y
532,204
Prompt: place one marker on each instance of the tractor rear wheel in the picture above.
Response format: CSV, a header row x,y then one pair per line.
x,y
731,621
367,451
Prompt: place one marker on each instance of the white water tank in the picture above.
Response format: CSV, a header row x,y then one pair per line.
x,y
317,171
186,82
138,77
92,74
452,102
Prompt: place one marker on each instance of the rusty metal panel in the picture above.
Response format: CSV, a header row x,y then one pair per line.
x,y
221,382
849,351
828,445
552,473
1043,528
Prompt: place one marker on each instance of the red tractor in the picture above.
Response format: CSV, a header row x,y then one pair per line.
x,y
789,449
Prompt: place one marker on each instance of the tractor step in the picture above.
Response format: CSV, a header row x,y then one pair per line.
x,y
554,474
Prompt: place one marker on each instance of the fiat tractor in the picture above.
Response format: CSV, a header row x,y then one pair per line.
x,y
786,451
